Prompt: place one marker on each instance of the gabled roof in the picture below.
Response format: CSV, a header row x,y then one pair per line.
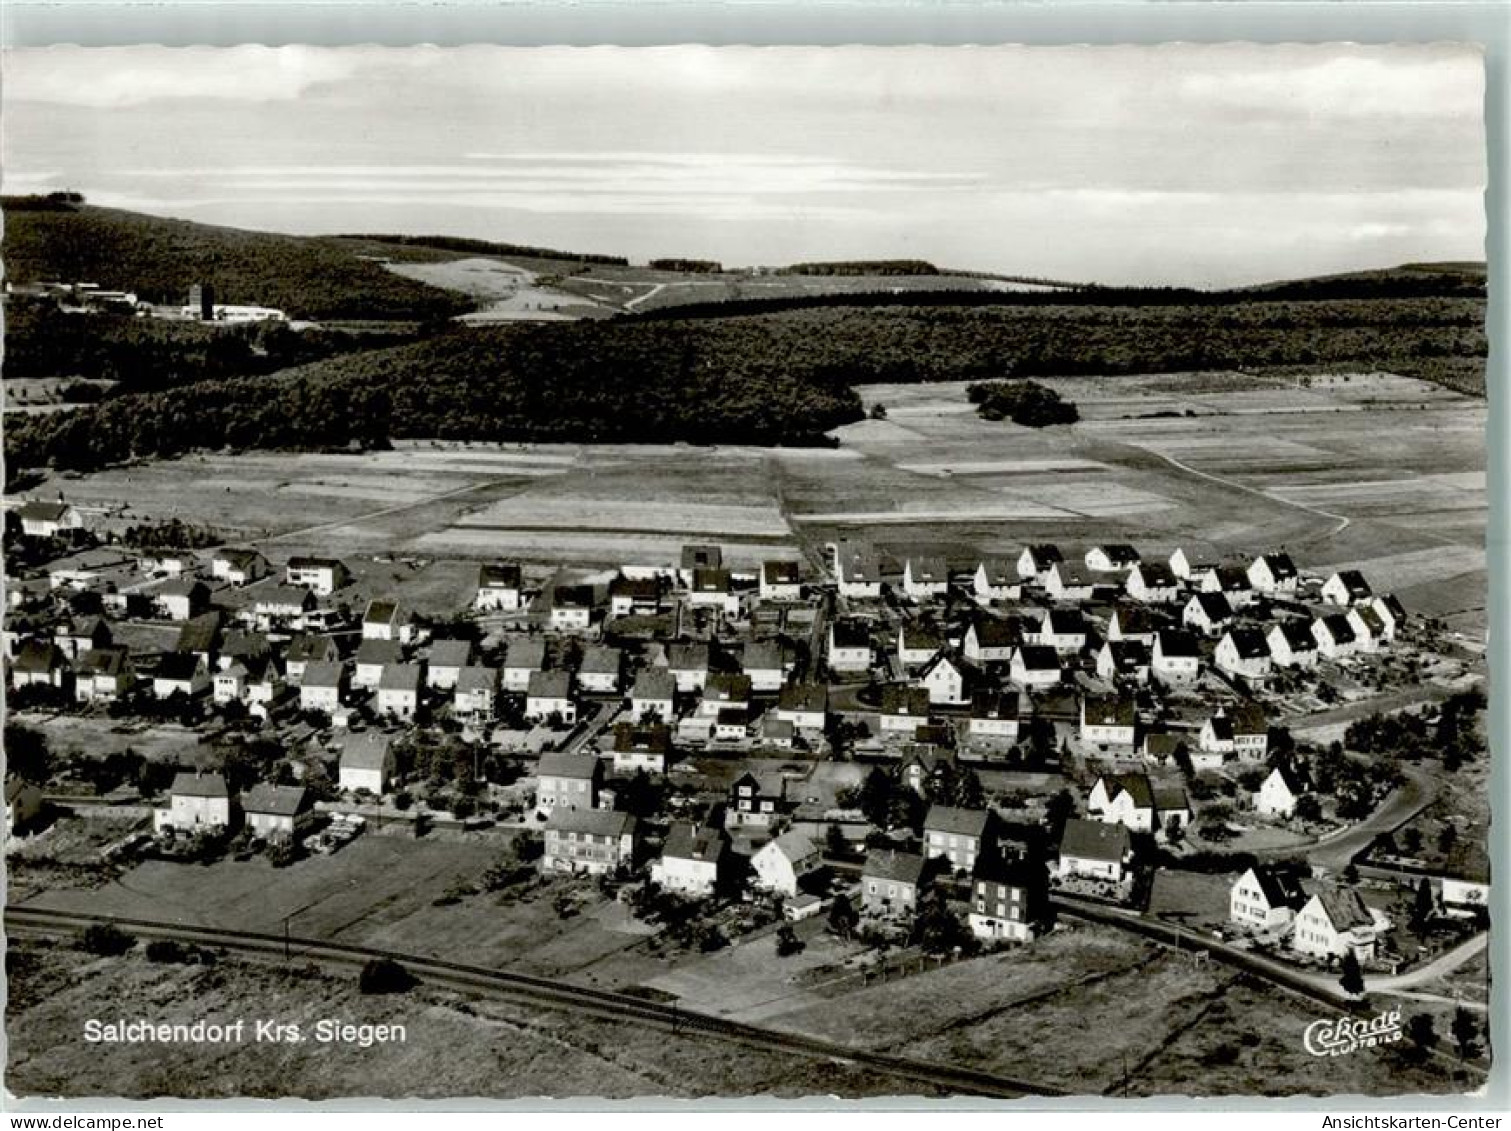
x,y
653,739
894,867
723,687
381,611
901,699
654,683
780,573
1136,786
687,657
526,654
240,558
1000,571
572,597
850,634
304,562
550,685
600,659
1279,885
859,564
763,655
1156,575
1280,565
1249,643
109,661
285,596
593,822
1233,579
450,653
1392,605
1043,555
687,841
188,784
1136,620
956,822
920,636
1336,625
1128,653
366,750
190,587
1163,744
179,666
929,568
39,656
1074,575
804,697
383,652
1037,657
580,767
1119,553
796,846
85,628
1176,642
1214,606
1369,619
240,644
39,511
1294,784
499,575
475,678
307,647
635,588
711,581
1353,583
1063,622
992,704
1249,718
1109,710
1298,635
200,634
400,677
993,632
276,800
1344,907
322,673
1094,840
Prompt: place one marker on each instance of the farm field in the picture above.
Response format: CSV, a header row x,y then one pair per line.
x,y
1220,463
493,1048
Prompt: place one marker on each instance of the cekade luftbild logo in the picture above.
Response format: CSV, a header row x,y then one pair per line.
x,y
1338,1036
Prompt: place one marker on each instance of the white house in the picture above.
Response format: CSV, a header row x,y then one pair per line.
x,y
957,835
445,663
323,575
724,690
1244,652
1265,899
1134,622
1135,802
635,596
1347,587
1278,793
1335,636
1095,850
765,662
282,606
1034,665
714,589
925,578
371,657
917,643
183,598
180,673
1067,581
1176,659
690,665
948,681
1207,613
385,620
1232,582
1123,660
1391,614
523,659
1292,644
239,567
306,649
476,691
902,709
550,693
857,572
601,669
637,748
103,674
692,861
320,686
499,588
1112,557
1064,630
571,607
781,866
780,581
1108,720
996,579
569,781
1242,731
994,718
399,690
1369,629
652,696
1152,583
805,706
1036,561
594,841
1274,574
197,801
991,640
1335,921
1183,565
849,646
274,812
41,519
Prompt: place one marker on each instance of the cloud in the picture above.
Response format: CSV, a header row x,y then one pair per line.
x,y
115,77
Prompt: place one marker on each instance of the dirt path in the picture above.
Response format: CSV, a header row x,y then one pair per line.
x,y
1343,521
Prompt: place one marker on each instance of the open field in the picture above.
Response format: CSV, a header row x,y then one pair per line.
x,y
1260,462
455,1044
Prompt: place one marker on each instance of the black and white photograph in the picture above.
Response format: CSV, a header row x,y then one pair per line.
x,y
706,571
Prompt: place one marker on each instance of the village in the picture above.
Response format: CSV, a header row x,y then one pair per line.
x,y
917,753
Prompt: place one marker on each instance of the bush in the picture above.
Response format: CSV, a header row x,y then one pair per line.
x,y
166,950
106,939
385,976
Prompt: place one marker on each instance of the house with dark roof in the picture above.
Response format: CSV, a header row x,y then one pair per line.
x,y
196,802
1266,898
238,567
949,680
647,748
781,581
1176,657
1071,581
890,882
635,596
689,665
445,663
280,605
918,642
276,813
1064,630
1109,720
1036,561
993,720
570,781
81,634
103,674
367,762
1152,583
1095,850
399,690
1369,628
183,597
766,662
1244,652
696,557
756,800
1112,557
323,575
903,707
782,865
1135,622
849,646
309,648
1008,898
857,571
550,693
523,658
571,607
180,673
476,692
805,706
714,589
1274,574
39,662
653,695
1137,803
1207,613
694,860
1292,644
601,669
1335,922
957,835
996,579
1035,665
925,577
722,691
371,658
991,640
1347,588
499,588
1123,661
1335,636
594,841
41,519
386,619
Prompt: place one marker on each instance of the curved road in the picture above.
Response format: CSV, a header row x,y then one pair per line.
x,y
542,991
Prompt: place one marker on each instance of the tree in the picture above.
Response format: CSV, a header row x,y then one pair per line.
x,y
878,411
1464,1029
1423,907
1411,841
1351,977
1448,838
835,843
27,754
385,976
1307,809
1059,809
843,918
787,942
969,793
1423,1033
1175,831
937,929
106,939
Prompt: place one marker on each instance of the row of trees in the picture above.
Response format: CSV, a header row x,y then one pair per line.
x,y
1027,403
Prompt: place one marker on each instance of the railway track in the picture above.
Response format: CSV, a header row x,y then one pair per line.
x,y
605,1004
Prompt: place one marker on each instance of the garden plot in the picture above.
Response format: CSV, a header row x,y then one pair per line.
x,y
532,511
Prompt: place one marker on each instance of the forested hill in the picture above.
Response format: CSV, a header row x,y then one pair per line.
x,y
306,276
764,379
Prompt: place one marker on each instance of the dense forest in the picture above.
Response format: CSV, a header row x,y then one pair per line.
x,y
308,277
489,247
862,267
145,354
612,381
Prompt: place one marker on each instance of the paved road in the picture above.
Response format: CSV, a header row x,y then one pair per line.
x,y
1336,851
1445,963
541,991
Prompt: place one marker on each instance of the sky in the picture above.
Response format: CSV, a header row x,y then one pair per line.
x,y
1204,165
